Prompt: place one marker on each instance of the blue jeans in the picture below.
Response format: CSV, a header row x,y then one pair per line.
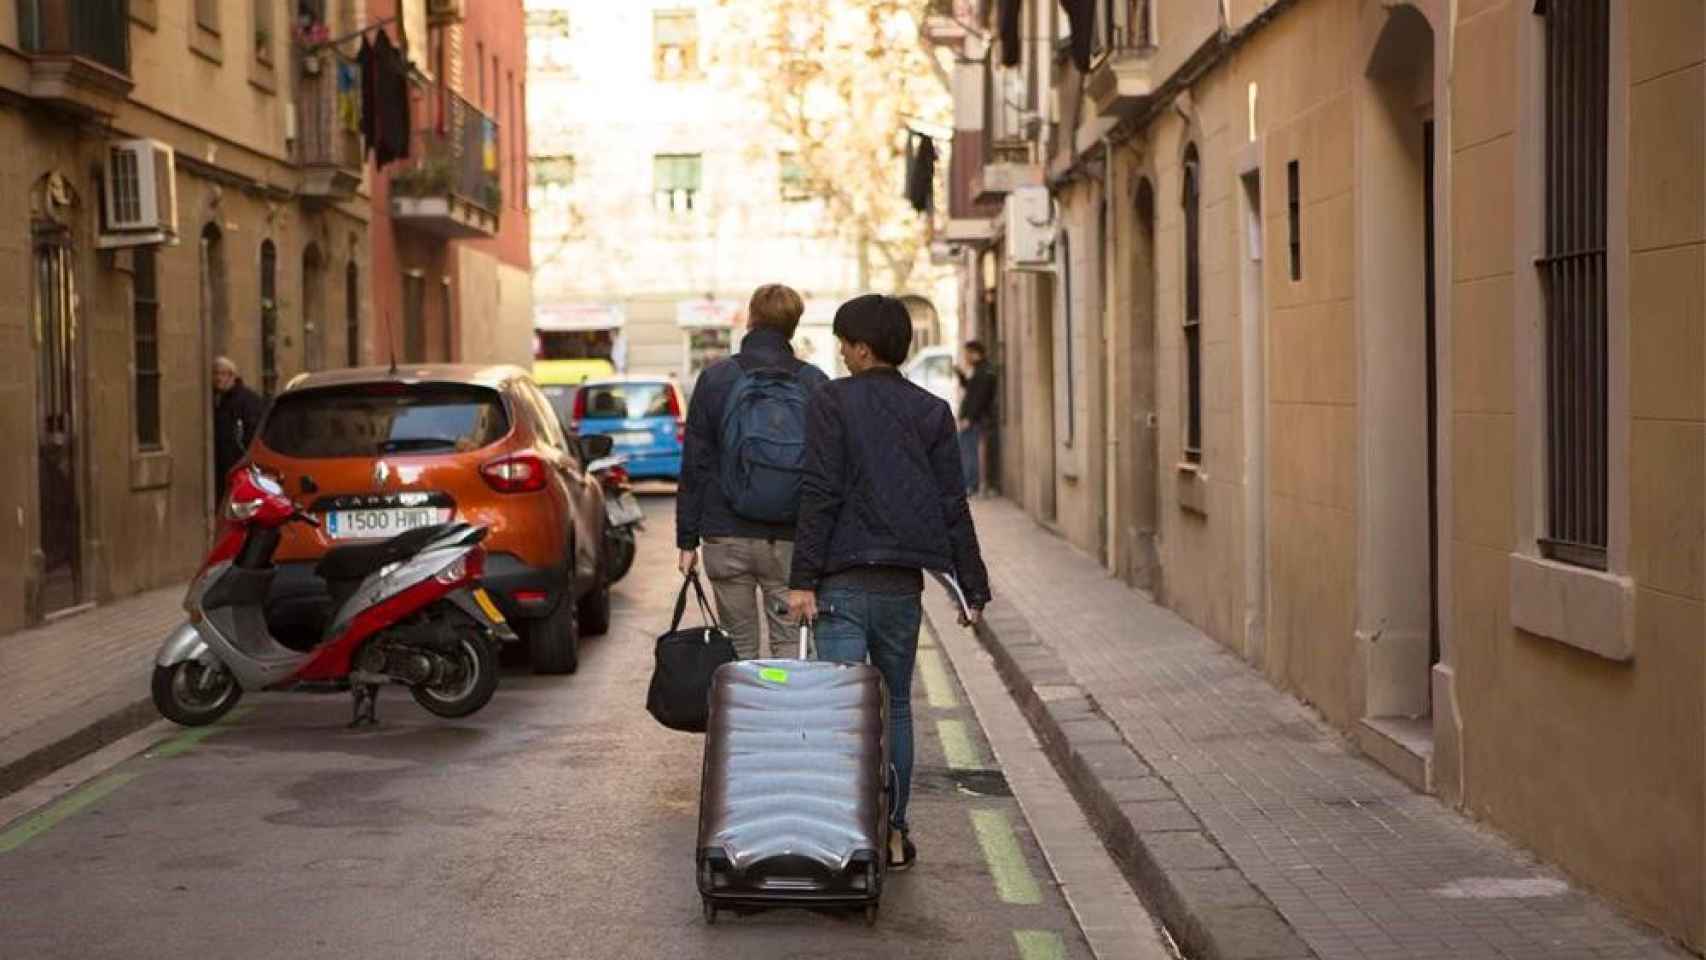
x,y
854,624
971,442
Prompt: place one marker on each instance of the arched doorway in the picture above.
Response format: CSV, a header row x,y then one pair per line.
x,y
926,327
216,336
61,452
269,318
1137,559
352,314
313,308
1397,497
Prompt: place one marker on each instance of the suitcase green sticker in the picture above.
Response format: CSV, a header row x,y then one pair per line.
x,y
774,675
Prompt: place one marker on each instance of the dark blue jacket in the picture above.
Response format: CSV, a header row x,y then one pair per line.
x,y
701,510
883,485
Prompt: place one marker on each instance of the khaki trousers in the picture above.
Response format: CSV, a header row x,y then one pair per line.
x,y
745,573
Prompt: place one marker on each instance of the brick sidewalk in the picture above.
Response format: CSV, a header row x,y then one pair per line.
x,y
74,685
1356,863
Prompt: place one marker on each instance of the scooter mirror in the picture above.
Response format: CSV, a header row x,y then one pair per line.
x,y
596,446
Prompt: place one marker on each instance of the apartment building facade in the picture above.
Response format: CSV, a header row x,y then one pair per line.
x,y
1368,336
452,264
177,189
666,196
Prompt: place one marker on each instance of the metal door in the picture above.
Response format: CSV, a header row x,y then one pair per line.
x,y
58,467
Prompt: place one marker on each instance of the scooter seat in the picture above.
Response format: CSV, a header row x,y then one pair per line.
x,y
355,561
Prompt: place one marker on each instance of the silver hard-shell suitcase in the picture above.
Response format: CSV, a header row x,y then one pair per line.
x,y
795,794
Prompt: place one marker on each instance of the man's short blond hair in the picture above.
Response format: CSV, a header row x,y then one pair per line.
x,y
777,307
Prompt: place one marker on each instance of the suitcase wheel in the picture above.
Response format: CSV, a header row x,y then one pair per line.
x,y
870,914
710,911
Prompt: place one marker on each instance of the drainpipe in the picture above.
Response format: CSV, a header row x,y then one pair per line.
x,y
1110,396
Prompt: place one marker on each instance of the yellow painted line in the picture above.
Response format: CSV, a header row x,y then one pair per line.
x,y
189,738
938,688
66,807
958,746
1040,945
1013,880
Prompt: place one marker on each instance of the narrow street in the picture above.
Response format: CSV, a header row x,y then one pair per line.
x,y
557,822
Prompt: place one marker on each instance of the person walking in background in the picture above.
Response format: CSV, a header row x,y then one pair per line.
x,y
740,469
237,414
977,412
883,501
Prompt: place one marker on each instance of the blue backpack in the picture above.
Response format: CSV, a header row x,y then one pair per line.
x,y
763,454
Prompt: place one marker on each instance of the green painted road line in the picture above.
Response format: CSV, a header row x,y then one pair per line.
x,y
1040,945
189,738
68,806
938,688
957,744
1013,880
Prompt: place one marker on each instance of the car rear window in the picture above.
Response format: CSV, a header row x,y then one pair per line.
x,y
379,419
629,400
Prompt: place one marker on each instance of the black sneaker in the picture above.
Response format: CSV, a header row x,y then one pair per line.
x,y
901,851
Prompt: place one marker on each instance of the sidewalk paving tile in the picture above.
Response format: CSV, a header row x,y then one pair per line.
x,y
76,683
1358,865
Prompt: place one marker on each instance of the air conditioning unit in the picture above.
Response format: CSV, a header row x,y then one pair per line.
x,y
141,194
1029,220
440,12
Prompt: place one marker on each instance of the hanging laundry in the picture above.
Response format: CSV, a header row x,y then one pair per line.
x,y
349,97
384,99
1081,18
1009,27
921,175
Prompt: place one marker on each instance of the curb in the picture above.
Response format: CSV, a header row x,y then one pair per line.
x,y
74,734
1168,857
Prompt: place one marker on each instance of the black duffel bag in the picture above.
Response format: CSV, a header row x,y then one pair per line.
x,y
680,694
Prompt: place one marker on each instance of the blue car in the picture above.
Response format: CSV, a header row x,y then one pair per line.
x,y
646,417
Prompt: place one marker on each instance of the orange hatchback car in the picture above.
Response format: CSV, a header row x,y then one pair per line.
x,y
374,452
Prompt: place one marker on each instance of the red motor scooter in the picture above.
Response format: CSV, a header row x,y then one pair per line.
x,y
408,610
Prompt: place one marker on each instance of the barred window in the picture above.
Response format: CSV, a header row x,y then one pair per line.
x,y
145,347
1573,275
1193,306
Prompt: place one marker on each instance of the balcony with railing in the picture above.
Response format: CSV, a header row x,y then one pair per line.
x,y
450,185
328,114
79,52
1011,127
1121,78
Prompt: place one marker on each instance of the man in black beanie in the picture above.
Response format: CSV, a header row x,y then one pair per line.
x,y
881,502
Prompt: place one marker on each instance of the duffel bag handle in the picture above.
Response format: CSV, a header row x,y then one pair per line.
x,y
692,579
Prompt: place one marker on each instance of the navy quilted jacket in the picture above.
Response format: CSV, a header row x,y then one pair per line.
x,y
883,485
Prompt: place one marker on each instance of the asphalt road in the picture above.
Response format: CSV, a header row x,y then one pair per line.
x,y
558,822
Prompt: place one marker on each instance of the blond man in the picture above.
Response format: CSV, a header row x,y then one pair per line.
x,y
733,504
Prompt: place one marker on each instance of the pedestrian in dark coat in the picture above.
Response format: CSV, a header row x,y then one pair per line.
x,y
237,414
977,412
882,501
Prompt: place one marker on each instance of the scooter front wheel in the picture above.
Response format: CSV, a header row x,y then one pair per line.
x,y
468,692
193,693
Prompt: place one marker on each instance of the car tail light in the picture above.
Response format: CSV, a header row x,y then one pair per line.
x,y
617,475
529,596
681,431
674,401
522,473
579,412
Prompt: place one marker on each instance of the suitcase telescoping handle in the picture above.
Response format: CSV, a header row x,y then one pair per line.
x,y
781,610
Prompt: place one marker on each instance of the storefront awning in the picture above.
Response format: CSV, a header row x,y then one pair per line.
x,y
710,313
569,317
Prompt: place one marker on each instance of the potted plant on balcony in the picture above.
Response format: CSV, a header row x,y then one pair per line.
x,y
430,178
263,44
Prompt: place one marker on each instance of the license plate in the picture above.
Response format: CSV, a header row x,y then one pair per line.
x,y
630,438
624,510
485,601
378,524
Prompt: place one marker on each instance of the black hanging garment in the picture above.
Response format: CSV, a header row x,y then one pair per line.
x,y
921,175
384,99
1009,28
1081,18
